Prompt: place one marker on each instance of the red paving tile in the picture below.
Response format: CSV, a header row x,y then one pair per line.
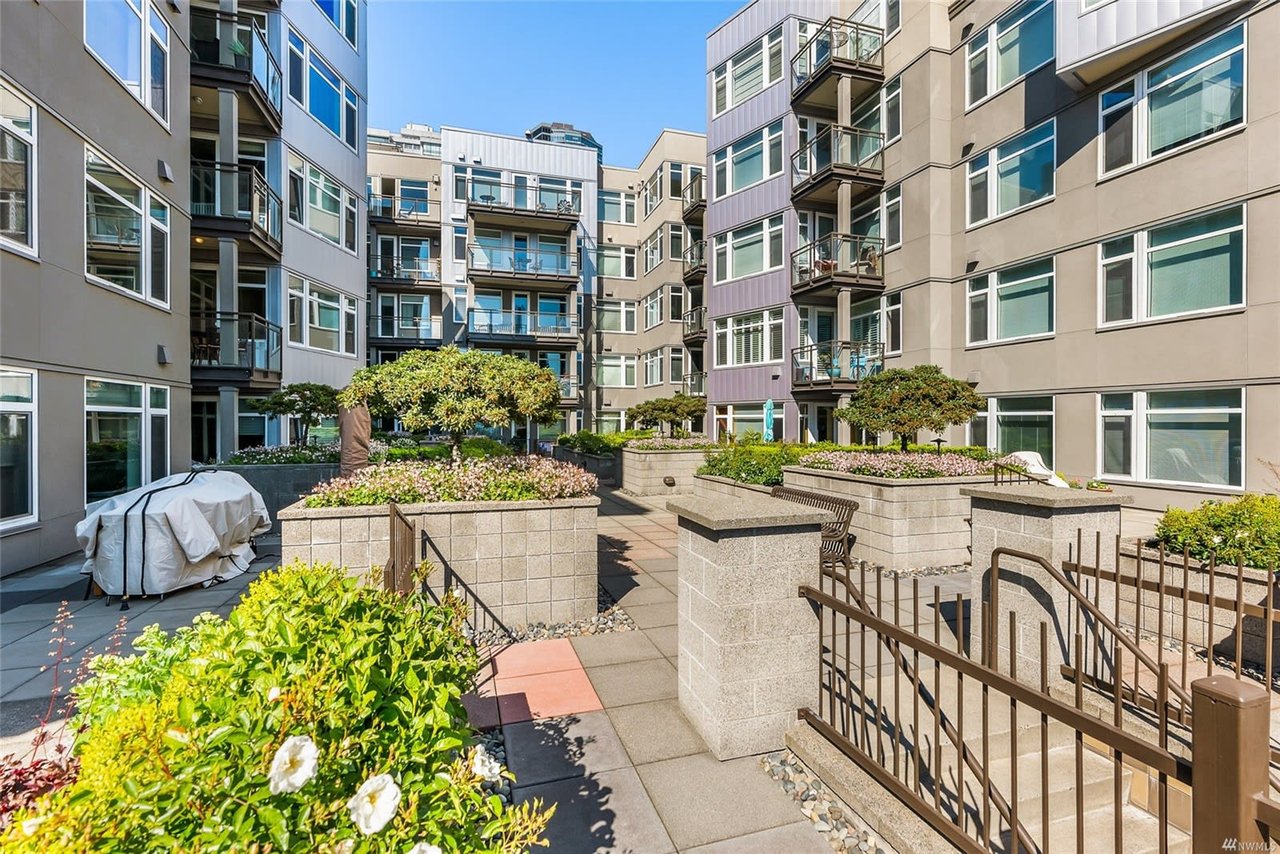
x,y
528,659
546,695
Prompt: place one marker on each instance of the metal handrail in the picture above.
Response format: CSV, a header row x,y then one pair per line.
x,y
694,320
501,322
532,196
414,327
254,199
252,54
694,384
397,267
839,145
506,258
694,192
408,208
568,387
838,253
235,339
695,256
848,40
1003,473
828,361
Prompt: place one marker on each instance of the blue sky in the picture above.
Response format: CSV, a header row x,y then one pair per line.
x,y
622,69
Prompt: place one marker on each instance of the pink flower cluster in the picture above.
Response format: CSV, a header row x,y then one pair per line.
x,y
513,478
897,465
663,443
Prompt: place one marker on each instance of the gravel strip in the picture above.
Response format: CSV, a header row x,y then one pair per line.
x,y
609,618
922,571
839,825
495,744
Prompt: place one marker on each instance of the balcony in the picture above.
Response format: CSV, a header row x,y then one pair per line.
x,y
838,261
838,49
542,327
227,52
835,365
500,264
694,322
403,210
695,200
695,263
395,270
230,200
523,204
409,332
695,384
570,392
231,349
835,155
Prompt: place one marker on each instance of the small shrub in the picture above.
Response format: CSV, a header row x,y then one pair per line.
x,y
1246,529
762,464
665,443
508,478
475,448
601,444
755,464
281,455
897,465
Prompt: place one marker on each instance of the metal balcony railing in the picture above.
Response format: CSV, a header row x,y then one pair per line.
x,y
531,196
403,208
569,388
396,267
836,361
218,38
694,384
695,257
484,321
847,41
223,339
695,321
848,254
406,327
850,148
114,231
694,192
237,192
515,260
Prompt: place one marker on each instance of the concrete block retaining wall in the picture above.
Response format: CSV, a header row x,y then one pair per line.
x,y
643,472
603,467
711,486
282,485
516,562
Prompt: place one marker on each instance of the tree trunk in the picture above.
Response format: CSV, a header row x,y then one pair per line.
x,y
455,450
903,437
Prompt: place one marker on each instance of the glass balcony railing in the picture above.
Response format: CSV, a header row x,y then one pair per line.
x,y
695,321
847,254
694,192
846,41
407,327
235,191
218,38
405,208
221,339
695,257
836,362
850,148
531,196
484,321
399,267
568,388
695,384
521,261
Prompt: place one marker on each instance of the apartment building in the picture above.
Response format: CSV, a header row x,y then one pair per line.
x,y
1070,204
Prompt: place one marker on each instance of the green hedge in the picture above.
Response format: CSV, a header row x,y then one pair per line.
x,y
1246,529
600,444
762,464
476,448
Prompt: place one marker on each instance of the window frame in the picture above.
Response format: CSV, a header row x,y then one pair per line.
x,y
347,308
144,411
348,203
771,323
891,197
765,137
349,125
626,254
31,139
652,304
622,361
344,9
32,410
142,10
654,362
992,415
991,172
989,35
626,202
723,73
652,249
148,199
728,240
888,310
626,309
991,292
677,355
651,191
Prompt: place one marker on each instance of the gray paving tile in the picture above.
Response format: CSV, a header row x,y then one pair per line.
x,y
668,579
47,610
652,616
651,595
602,812
658,564
633,682
652,732
559,748
11,680
665,638
614,648
702,800
798,838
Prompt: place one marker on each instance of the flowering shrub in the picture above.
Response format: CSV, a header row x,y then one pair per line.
x,y
665,443
280,455
899,465
495,479
1244,530
320,716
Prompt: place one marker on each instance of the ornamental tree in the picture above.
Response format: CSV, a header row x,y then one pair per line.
x,y
667,411
907,400
305,403
454,390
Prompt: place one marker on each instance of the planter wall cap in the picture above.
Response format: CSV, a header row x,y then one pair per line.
x,y
641,452
749,511
890,481
1037,495
300,510
728,481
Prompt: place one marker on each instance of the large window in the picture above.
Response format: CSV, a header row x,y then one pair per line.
x,y
1189,266
18,461
1012,175
748,72
17,170
749,339
891,96
1193,436
322,205
1194,95
321,318
616,262
1020,424
613,371
892,212
131,38
126,232
653,250
1017,43
651,192
611,420
1014,303
879,320
322,92
345,16
617,206
653,367
676,362
651,306
616,315
752,159
126,436
739,419
749,250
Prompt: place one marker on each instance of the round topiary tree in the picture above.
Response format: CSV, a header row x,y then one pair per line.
x,y
454,390
906,400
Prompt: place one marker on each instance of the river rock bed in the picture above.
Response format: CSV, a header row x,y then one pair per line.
x,y
838,824
609,618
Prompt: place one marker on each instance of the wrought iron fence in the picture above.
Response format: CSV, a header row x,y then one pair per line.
x,y
402,562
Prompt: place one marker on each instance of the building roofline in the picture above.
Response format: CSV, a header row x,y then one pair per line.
x,y
720,26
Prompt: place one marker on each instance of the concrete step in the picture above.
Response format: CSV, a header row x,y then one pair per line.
x,y
1140,832
1097,782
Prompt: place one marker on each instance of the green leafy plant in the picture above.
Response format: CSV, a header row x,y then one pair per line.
x,y
510,478
1246,530
1098,486
905,401
600,444
667,412
305,403
473,448
756,464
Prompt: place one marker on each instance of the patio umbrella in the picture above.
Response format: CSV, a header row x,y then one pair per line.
x,y
767,433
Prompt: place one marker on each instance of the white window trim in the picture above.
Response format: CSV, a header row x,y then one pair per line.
x,y
621,360
991,33
1138,427
992,291
770,328
993,428
33,409
728,235
652,298
884,216
731,416
651,199
884,110
144,83
343,315
726,68
626,307
349,199
33,182
651,358
343,90
883,308
623,197
1141,107
992,183
342,13
623,252
144,411
652,250
144,246
727,151
1141,272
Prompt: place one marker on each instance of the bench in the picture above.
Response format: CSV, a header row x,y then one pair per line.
x,y
835,535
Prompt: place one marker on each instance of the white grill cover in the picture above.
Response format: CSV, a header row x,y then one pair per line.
x,y
195,531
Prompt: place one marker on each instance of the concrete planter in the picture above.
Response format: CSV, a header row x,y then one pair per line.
x,y
713,486
282,485
516,562
604,467
645,472
900,524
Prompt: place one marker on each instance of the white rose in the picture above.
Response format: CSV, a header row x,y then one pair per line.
x,y
374,804
484,765
29,826
294,764
273,694
424,848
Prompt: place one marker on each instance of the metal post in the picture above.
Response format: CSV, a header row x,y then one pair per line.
x,y
1230,753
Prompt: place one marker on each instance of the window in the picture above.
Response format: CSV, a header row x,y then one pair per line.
x,y
675,180
1020,307
616,316
1018,43
344,15
754,158
1185,267
675,238
18,460
322,92
892,214
617,206
891,97
611,420
1012,175
676,371
126,436
323,319
653,368
749,250
614,371
1021,424
617,262
651,192
131,38
459,305
329,209
739,419
17,170
126,232
652,308
653,250
749,339
879,320
748,72
676,310
1194,95
1193,436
